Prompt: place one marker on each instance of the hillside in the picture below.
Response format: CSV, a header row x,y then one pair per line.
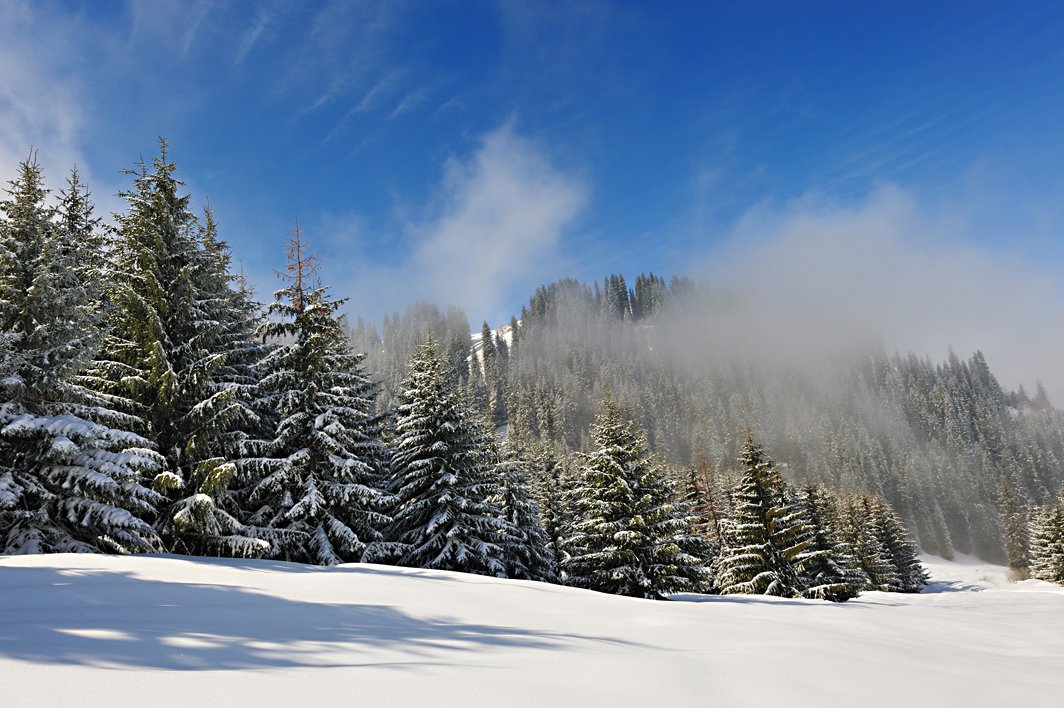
x,y
953,451
105,630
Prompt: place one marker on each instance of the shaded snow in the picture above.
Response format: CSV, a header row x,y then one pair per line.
x,y
101,630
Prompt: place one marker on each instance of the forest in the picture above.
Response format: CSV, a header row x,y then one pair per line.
x,y
608,437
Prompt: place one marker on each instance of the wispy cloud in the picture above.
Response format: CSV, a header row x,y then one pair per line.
x,y
40,106
451,104
198,15
382,88
409,101
253,35
816,276
493,233
346,42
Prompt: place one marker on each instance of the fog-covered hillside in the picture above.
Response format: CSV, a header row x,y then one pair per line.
x,y
958,455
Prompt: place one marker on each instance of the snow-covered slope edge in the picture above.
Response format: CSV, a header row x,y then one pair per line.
x,y
105,630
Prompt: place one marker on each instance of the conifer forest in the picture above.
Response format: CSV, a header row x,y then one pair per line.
x,y
604,438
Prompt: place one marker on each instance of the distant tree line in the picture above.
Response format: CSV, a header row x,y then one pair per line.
x,y
964,462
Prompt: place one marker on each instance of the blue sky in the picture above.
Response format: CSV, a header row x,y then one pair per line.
x,y
467,151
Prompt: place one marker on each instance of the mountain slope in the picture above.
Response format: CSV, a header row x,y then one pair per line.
x,y
955,453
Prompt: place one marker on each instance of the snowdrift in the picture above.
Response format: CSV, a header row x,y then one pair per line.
x,y
167,630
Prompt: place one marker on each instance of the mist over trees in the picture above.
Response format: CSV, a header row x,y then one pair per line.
x,y
959,458
613,438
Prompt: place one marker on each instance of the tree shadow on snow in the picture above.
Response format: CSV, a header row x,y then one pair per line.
x,y
111,618
936,586
745,600
276,566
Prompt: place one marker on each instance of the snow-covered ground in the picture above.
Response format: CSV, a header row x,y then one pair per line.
x,y
164,630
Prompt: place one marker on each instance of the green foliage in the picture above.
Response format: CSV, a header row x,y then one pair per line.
x,y
315,481
884,549
178,357
527,548
831,571
70,476
629,535
1047,542
766,540
445,477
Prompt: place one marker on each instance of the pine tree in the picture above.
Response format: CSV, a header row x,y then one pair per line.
x,y
69,479
903,552
629,536
316,494
831,571
205,520
550,491
444,476
527,550
1014,527
767,539
1047,542
167,357
707,499
884,549
493,368
864,535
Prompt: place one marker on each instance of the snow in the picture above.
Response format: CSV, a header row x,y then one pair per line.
x,y
505,333
105,630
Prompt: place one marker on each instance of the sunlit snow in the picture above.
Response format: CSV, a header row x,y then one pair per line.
x,y
105,630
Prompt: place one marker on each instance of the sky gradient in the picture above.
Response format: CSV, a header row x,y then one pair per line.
x,y
468,151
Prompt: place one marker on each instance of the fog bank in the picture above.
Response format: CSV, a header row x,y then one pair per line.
x,y
814,277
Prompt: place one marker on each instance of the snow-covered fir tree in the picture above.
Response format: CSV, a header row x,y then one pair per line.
x,y
206,517
1047,542
527,549
630,535
1015,534
863,535
903,552
444,476
167,353
493,365
71,478
549,485
831,570
883,548
316,492
767,539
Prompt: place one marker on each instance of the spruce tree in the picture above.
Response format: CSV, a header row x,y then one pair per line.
x,y
629,536
708,502
550,489
316,492
767,539
444,476
904,553
1014,527
883,547
831,570
492,364
205,519
1047,542
71,478
167,355
864,535
527,548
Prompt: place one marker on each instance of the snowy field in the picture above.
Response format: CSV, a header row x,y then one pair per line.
x,y
164,630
